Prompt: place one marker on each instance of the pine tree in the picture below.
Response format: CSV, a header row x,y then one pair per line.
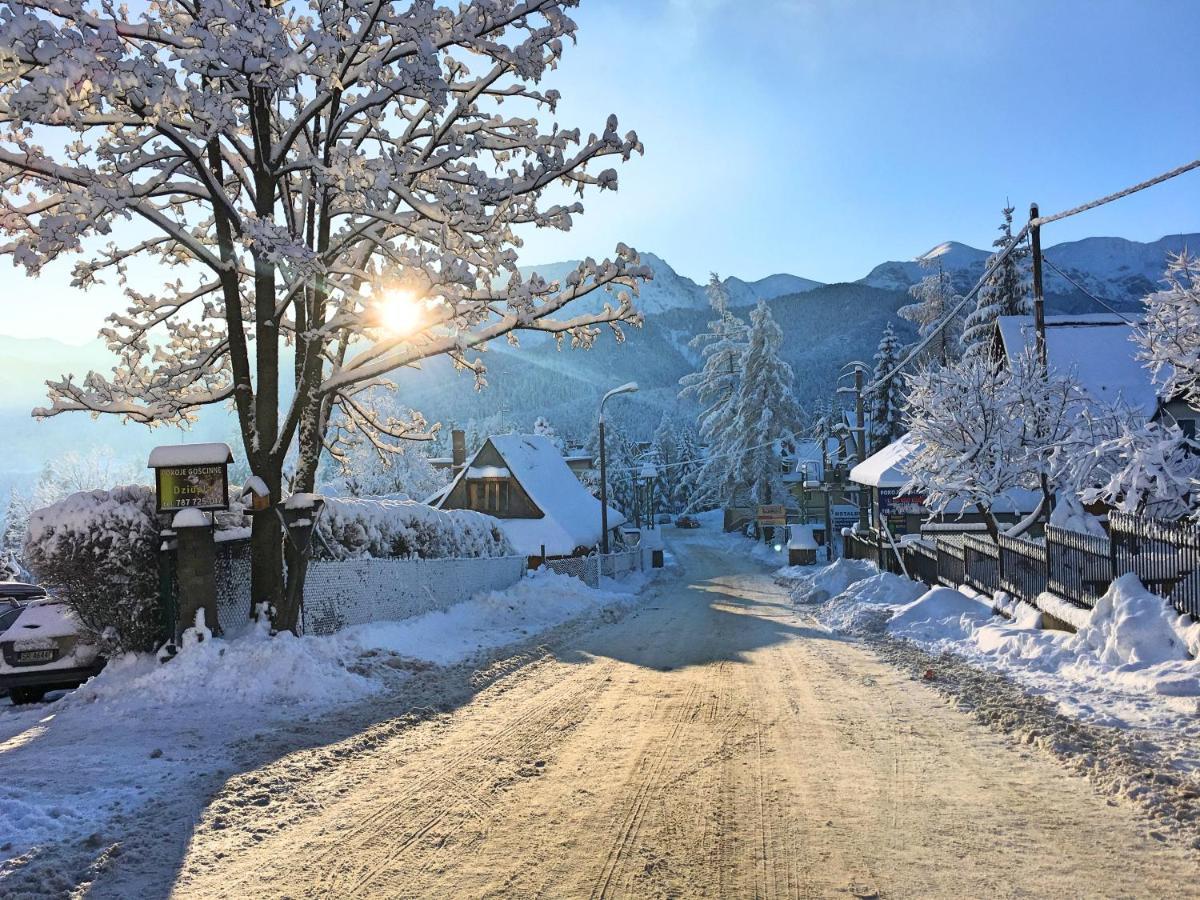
x,y
886,402
745,463
1005,293
666,456
935,297
716,386
690,452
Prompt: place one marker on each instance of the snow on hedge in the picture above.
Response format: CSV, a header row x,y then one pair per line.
x,y
352,528
98,551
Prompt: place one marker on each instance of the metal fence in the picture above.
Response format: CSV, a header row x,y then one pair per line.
x,y
981,563
920,559
1078,566
951,561
1164,555
1022,568
589,569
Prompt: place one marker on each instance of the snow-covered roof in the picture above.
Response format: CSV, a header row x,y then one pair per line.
x,y
189,455
571,515
1097,348
884,468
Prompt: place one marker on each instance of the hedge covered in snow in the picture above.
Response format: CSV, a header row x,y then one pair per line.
x,y
352,528
98,551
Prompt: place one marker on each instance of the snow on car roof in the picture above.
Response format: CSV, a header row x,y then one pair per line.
x,y
189,455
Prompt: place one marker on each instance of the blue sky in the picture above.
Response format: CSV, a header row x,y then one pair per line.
x,y
821,137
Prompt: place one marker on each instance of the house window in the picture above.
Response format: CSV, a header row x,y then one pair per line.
x,y
489,496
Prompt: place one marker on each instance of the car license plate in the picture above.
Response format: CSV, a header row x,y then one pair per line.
x,y
35,656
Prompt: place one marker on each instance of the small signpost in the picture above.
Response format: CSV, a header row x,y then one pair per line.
x,y
191,476
772,515
190,480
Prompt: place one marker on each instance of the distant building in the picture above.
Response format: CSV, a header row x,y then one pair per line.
x,y
525,482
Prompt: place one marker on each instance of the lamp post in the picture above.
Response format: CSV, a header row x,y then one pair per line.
x,y
629,388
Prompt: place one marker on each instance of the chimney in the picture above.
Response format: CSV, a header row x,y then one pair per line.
x,y
458,449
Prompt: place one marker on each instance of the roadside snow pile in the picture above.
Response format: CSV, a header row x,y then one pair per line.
x,y
1131,626
829,581
938,617
490,620
254,669
353,528
866,605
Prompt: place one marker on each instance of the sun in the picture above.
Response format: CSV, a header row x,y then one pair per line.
x,y
399,312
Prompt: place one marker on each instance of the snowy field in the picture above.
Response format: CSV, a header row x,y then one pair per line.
x,y
1123,693
145,733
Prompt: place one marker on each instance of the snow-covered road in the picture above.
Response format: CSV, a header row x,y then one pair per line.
x,y
710,744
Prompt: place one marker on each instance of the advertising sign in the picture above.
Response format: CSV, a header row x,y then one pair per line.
x,y
893,503
196,487
772,515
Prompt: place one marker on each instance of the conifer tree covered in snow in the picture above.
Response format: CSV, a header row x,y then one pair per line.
x,y
935,297
746,456
688,469
716,385
886,403
1004,294
346,178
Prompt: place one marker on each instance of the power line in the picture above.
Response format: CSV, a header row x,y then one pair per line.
x,y
1020,236
1087,293
1132,189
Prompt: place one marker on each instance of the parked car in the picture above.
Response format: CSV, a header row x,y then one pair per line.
x,y
46,648
686,521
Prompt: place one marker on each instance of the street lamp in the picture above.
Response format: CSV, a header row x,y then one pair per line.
x,y
629,388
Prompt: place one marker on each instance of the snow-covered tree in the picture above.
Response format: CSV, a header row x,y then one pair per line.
x,y
886,401
1148,468
542,426
746,463
935,298
983,429
689,466
1004,294
619,460
1170,334
348,179
405,474
715,386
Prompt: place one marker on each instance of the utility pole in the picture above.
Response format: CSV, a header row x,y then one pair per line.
x,y
1039,303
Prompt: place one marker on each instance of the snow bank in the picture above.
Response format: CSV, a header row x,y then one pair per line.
x,y
938,616
254,669
831,580
1131,626
494,619
866,604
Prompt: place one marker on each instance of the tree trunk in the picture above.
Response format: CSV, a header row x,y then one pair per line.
x,y
266,552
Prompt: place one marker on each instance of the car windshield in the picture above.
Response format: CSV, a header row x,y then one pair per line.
x,y
8,617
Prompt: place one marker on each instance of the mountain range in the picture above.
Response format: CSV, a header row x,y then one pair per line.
x,y
825,325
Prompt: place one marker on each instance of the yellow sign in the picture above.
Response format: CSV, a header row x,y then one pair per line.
x,y
199,487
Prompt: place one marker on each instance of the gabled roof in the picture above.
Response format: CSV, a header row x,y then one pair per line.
x,y
571,515
1099,350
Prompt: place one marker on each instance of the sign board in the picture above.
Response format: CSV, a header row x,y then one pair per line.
x,y
844,515
197,487
893,503
774,514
